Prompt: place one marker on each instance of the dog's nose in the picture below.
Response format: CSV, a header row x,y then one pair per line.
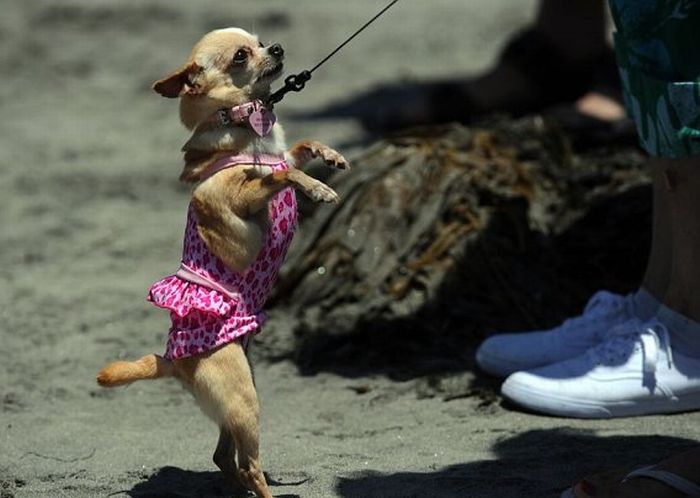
x,y
276,50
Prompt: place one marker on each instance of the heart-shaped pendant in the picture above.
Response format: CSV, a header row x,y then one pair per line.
x,y
261,121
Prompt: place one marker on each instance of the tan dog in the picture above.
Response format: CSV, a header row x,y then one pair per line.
x,y
227,69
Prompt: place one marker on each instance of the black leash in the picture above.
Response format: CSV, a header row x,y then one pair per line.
x,y
297,82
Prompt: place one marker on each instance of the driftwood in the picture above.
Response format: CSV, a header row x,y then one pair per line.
x,y
445,235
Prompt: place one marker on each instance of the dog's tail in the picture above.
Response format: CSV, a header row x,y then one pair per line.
x,y
121,373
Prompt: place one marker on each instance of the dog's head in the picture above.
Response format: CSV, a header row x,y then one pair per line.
x,y
226,68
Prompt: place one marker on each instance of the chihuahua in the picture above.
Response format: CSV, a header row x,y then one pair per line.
x,y
241,219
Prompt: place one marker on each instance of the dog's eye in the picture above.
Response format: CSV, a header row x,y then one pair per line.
x,y
261,45
240,57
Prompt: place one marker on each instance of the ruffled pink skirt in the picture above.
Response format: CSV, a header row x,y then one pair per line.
x,y
202,319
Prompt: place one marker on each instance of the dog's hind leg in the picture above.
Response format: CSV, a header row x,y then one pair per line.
x,y
222,383
241,419
245,433
225,453
225,458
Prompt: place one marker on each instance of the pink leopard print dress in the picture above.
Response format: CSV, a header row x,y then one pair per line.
x,y
211,305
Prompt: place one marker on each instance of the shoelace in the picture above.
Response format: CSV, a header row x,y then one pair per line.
x,y
652,336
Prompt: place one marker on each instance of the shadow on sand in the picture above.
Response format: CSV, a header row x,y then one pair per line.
x,y
173,482
538,463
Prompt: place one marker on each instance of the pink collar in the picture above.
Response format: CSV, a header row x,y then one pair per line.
x,y
254,114
236,159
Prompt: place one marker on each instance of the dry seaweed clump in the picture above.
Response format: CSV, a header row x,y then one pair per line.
x,y
445,235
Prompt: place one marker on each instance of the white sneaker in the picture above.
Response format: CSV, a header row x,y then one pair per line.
x,y
634,372
504,354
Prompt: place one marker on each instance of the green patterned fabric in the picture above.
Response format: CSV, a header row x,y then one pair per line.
x,y
658,52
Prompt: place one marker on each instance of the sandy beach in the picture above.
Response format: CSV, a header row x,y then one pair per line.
x,y
91,214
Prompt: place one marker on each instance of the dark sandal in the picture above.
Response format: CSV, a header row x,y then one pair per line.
x,y
673,481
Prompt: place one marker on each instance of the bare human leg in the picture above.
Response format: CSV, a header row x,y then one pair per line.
x,y
658,269
683,178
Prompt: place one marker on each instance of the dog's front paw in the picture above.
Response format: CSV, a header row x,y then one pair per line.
x,y
306,150
332,158
320,192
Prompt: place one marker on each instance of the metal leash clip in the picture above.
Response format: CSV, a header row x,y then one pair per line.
x,y
292,83
296,82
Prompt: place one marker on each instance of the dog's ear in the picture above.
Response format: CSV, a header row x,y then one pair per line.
x,y
179,82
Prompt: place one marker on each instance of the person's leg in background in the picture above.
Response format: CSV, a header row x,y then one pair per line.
x,y
561,61
681,302
552,62
683,294
584,37
658,271
579,28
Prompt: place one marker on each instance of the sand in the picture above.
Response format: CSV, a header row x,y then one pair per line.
x,y
91,215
